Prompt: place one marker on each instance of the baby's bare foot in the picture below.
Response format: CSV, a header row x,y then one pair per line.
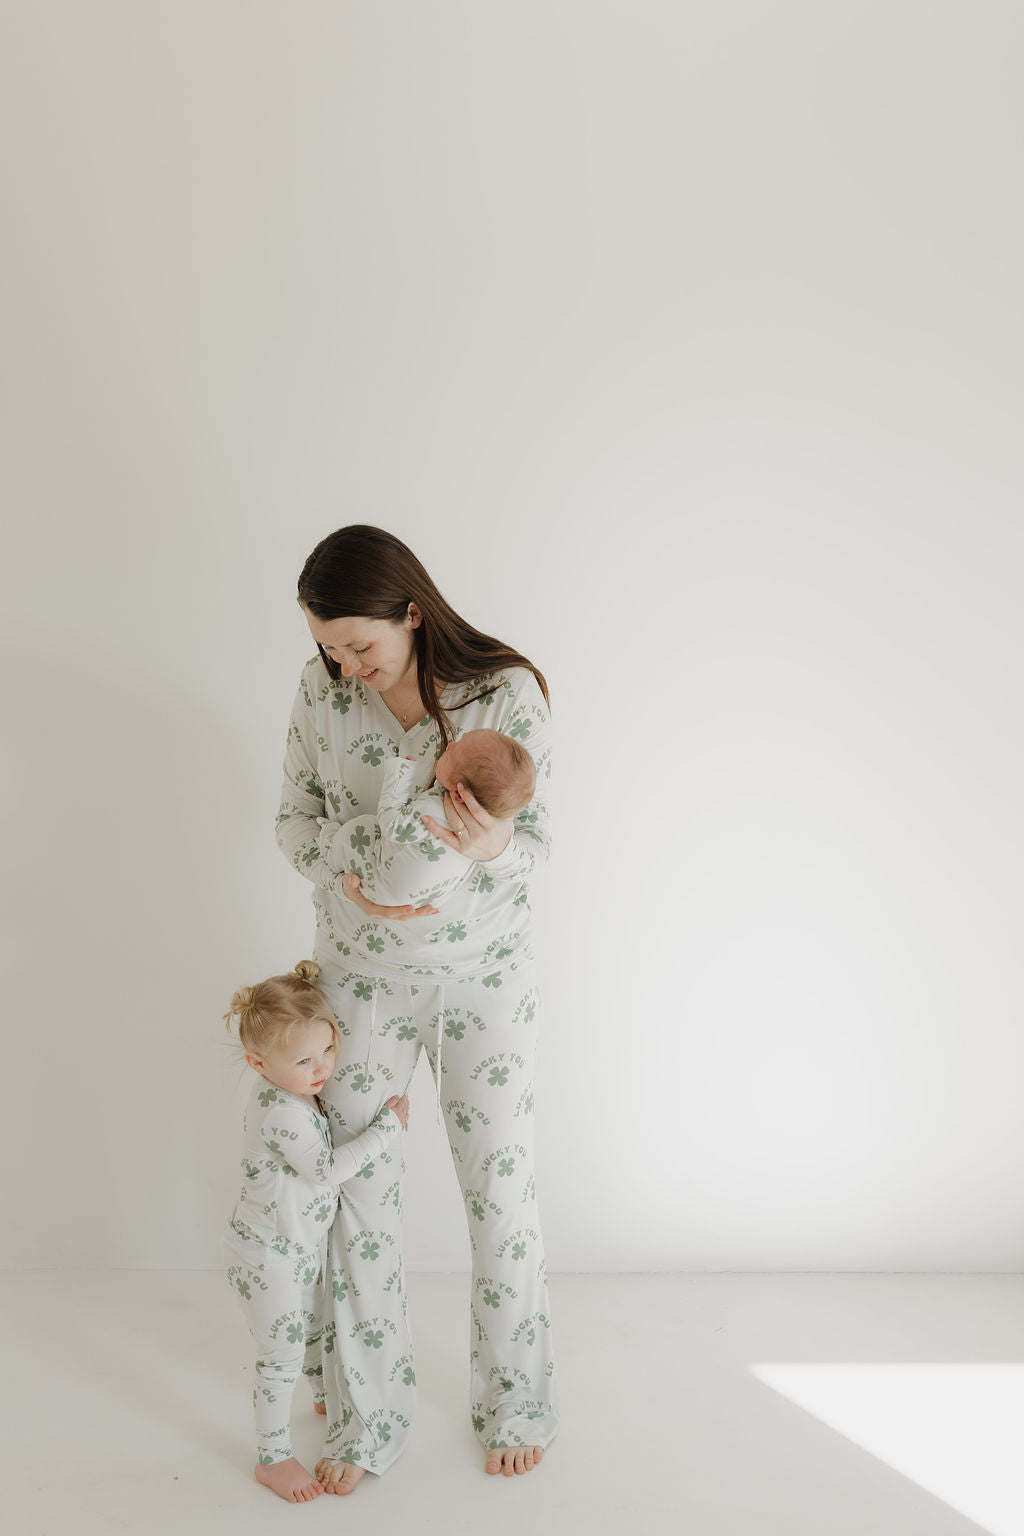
x,y
289,1480
510,1459
338,1476
319,1407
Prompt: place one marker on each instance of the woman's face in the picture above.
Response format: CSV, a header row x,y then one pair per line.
x,y
380,653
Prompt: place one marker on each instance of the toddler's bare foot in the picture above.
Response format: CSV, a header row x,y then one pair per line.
x,y
319,1407
338,1476
289,1480
510,1459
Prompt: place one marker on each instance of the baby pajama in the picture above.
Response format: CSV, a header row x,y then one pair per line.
x,y
276,1245
397,860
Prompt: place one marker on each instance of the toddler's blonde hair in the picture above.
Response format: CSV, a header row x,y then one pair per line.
x,y
269,1011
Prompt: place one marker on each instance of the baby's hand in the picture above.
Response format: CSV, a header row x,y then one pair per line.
x,y
401,1109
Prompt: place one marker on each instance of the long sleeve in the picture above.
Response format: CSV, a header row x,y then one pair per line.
x,y
294,1138
303,801
396,858
529,847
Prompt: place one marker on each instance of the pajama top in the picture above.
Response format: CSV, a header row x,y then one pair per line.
x,y
291,1172
341,740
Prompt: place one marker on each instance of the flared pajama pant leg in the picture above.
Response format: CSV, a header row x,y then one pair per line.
x,y
486,1038
480,1036
368,1372
281,1303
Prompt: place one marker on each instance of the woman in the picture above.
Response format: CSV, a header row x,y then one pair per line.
x,y
399,671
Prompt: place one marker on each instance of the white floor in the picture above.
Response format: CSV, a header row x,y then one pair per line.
x,y
713,1405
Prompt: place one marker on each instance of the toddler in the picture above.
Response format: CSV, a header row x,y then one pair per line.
x,y
276,1245
396,858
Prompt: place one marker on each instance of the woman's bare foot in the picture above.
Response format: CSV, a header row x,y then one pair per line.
x,y
338,1476
289,1480
319,1407
510,1459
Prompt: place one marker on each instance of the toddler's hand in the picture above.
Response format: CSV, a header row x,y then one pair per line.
x,y
401,1109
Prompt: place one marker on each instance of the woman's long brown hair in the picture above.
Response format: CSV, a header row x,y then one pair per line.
x,y
366,573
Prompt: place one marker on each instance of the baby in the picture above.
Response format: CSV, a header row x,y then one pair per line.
x,y
397,859
277,1242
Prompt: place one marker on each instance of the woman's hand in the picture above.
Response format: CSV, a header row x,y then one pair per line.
x,y
474,833
401,1109
350,886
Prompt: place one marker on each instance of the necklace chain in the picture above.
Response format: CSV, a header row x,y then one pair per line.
x,y
403,719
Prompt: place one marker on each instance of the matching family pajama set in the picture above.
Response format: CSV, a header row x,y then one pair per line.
x,y
459,985
276,1246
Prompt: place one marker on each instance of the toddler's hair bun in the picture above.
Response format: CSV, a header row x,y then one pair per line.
x,y
242,1000
307,970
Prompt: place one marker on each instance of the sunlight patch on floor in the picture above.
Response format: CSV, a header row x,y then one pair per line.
x,y
956,1430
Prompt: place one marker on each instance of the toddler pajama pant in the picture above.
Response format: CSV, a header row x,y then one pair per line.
x,y
479,1036
282,1301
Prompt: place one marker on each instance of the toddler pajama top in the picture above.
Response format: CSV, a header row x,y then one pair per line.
x,y
459,985
276,1246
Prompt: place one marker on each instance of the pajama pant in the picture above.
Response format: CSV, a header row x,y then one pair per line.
x,y
479,1036
282,1300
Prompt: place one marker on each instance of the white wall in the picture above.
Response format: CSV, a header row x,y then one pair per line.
x,y
683,344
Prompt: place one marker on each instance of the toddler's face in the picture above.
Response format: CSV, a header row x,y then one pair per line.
x,y
304,1063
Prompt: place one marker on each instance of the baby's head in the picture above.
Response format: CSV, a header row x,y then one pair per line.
x,y
288,1033
494,767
